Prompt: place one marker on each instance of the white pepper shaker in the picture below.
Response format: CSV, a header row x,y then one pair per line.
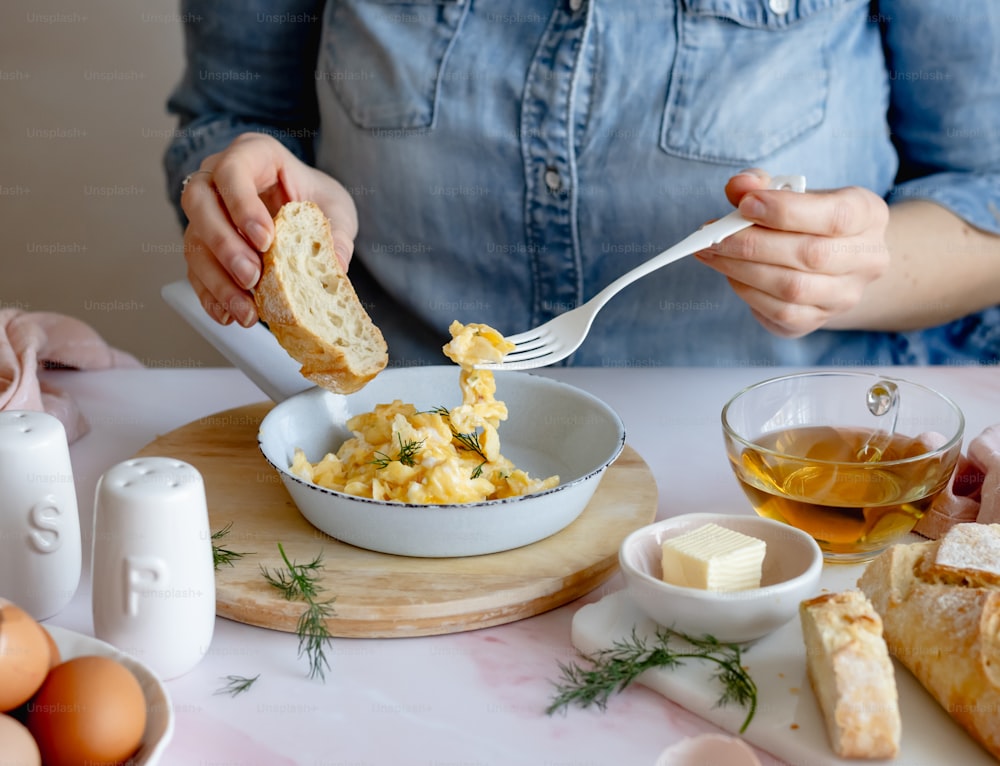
x,y
153,574
40,546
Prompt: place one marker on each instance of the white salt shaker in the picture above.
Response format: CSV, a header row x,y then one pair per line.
x,y
153,574
40,547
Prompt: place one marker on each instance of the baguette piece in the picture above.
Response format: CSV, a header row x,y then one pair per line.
x,y
940,605
310,306
851,674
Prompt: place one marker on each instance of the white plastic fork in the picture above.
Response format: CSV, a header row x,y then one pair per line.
x,y
562,335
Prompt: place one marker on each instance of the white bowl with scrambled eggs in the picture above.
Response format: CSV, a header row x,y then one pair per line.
x,y
559,440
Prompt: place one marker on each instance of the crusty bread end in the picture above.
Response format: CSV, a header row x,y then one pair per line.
x,y
851,674
940,607
310,306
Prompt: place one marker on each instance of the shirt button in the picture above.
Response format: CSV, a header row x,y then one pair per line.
x,y
779,6
552,179
575,5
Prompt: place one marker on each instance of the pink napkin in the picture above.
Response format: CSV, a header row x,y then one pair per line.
x,y
29,340
974,491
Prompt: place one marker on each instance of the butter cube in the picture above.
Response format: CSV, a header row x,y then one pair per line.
x,y
712,557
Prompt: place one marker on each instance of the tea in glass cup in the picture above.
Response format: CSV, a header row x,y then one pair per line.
x,y
852,458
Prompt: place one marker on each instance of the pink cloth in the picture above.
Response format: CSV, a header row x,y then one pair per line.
x,y
974,491
30,340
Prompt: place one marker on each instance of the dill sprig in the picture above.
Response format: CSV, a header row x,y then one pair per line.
x,y
300,582
611,670
407,454
467,441
470,442
236,685
222,555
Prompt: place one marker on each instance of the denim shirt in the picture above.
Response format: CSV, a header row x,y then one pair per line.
x,y
509,158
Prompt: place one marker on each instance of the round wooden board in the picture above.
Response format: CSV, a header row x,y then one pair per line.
x,y
378,594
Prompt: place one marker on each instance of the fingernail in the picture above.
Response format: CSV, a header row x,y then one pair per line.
x,y
247,272
342,251
753,172
218,312
259,235
751,207
246,312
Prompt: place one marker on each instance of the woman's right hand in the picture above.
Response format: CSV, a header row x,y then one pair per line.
x,y
230,202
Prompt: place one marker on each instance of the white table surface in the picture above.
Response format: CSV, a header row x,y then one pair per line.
x,y
467,699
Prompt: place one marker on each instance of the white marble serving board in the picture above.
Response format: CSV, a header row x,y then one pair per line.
x,y
788,723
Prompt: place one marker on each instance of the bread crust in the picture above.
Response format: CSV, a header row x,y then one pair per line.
x,y
851,674
310,306
941,616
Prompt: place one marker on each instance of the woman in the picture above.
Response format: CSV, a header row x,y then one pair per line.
x,y
501,161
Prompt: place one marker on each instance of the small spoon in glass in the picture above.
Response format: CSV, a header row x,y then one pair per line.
x,y
882,399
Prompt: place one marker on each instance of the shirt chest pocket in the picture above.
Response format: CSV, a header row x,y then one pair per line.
x,y
749,76
384,60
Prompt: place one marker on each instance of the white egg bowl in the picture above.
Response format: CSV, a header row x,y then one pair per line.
x,y
552,428
791,572
159,710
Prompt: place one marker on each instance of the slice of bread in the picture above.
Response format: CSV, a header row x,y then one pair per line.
x,y
851,674
310,306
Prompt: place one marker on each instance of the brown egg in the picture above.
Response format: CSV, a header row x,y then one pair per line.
x,y
54,655
90,710
24,655
17,746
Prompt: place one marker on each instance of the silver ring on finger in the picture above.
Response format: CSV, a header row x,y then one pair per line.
x,y
189,176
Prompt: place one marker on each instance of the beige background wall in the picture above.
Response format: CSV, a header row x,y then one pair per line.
x,y
86,227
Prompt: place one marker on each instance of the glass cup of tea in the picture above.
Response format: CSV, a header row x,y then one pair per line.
x,y
852,458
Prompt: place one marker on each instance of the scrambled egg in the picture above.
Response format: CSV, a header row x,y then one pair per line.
x,y
432,456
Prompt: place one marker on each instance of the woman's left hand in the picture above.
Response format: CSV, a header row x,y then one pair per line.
x,y
809,259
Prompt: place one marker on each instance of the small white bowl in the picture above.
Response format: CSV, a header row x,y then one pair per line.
x,y
159,710
791,571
